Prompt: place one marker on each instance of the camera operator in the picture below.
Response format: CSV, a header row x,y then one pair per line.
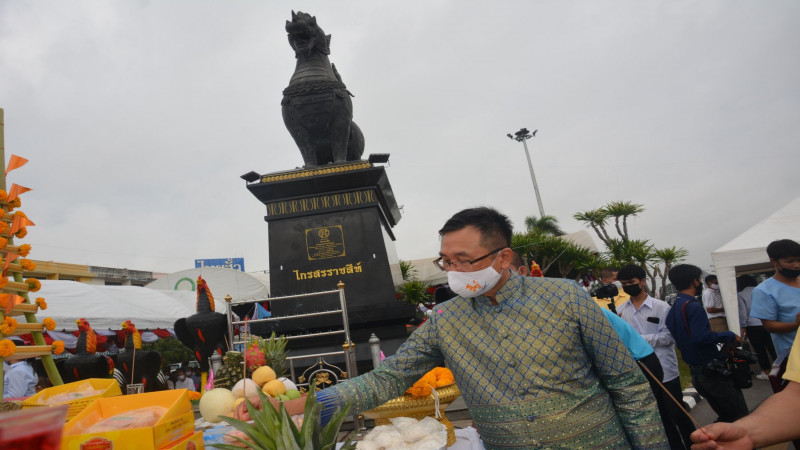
x,y
688,323
611,289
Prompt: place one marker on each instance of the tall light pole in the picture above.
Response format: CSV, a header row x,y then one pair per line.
x,y
522,136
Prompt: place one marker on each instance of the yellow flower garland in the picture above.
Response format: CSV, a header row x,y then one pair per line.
x,y
33,284
49,323
41,303
8,326
436,378
7,348
58,347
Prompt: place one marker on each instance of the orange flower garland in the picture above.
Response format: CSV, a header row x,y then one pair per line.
x,y
8,326
194,395
7,348
49,323
27,265
4,226
3,242
21,233
436,378
3,196
41,303
33,284
24,249
58,347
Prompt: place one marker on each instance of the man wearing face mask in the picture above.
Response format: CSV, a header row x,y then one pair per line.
x,y
184,382
647,315
537,363
712,302
688,323
776,301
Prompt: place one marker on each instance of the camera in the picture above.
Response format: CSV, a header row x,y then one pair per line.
x,y
717,367
608,291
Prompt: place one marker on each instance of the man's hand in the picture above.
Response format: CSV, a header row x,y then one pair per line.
x,y
739,340
721,435
744,333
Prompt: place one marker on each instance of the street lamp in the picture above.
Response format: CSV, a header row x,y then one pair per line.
x,y
522,136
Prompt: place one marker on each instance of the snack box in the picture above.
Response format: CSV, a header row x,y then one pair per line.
x,y
176,423
192,442
108,386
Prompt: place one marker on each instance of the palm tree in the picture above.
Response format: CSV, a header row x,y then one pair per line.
x,y
622,210
546,224
668,257
595,218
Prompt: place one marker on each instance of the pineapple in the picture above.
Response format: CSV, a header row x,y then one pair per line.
x,y
275,352
231,370
274,429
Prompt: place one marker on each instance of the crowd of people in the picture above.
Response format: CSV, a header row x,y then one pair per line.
x,y
540,365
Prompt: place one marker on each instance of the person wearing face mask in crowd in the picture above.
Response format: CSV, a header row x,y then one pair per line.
x,y
647,315
538,365
184,382
688,323
195,377
776,301
609,276
712,302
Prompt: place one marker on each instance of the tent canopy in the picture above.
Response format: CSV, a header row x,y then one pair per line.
x,y
747,253
106,307
222,281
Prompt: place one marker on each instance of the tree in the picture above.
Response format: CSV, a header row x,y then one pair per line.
x,y
545,224
556,257
623,250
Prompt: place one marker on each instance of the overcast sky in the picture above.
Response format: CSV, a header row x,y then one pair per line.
x,y
138,117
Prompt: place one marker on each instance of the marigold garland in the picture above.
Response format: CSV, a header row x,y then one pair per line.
x,y
58,347
21,233
49,323
16,203
194,395
3,242
436,378
3,196
33,284
8,326
7,348
41,303
24,249
4,226
27,265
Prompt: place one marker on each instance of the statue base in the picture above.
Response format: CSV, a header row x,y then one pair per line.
x,y
329,224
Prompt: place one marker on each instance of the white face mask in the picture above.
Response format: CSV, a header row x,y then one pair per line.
x,y
473,284
618,284
715,287
181,377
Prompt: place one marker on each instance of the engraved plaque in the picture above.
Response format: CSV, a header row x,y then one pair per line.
x,y
325,242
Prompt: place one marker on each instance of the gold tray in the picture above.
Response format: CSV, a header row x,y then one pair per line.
x,y
418,408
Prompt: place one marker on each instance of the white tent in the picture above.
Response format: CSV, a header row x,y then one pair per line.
x,y
106,307
222,282
747,253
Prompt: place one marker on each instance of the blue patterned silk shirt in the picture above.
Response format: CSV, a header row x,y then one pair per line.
x,y
541,369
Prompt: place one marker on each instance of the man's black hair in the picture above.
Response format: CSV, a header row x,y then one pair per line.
x,y
495,228
682,276
630,272
608,272
743,281
710,277
783,248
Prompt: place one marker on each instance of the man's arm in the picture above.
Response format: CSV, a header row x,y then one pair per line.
x,y
710,303
628,388
662,337
699,329
776,420
418,355
773,326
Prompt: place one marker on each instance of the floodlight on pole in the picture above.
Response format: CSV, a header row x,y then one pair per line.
x,y
521,136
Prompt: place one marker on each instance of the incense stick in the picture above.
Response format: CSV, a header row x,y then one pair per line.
x,y
680,405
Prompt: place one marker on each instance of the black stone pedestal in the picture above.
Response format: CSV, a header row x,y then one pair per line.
x,y
329,224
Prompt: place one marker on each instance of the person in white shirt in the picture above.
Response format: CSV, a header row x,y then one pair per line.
x,y
712,302
647,315
752,329
184,382
19,380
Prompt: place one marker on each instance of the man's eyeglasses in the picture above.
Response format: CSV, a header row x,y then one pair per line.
x,y
461,266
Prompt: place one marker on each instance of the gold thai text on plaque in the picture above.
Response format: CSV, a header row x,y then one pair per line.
x,y
325,242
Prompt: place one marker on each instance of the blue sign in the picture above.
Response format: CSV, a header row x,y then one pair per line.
x,y
228,263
